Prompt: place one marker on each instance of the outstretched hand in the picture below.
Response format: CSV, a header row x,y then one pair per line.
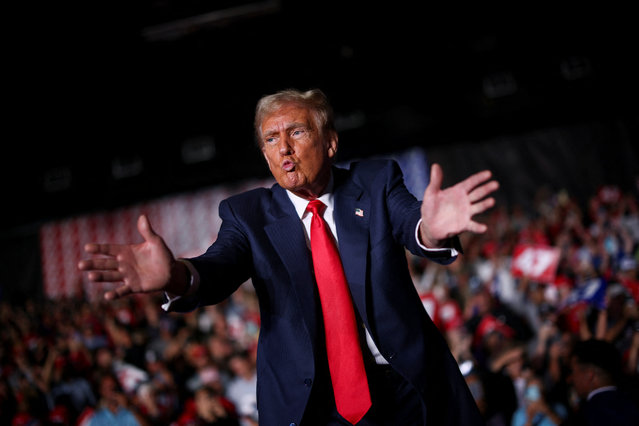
x,y
449,212
140,268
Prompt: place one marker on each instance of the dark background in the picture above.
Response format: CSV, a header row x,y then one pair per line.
x,y
103,82
106,100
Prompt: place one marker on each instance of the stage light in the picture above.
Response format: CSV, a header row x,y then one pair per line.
x,y
499,85
198,149
575,68
126,167
57,179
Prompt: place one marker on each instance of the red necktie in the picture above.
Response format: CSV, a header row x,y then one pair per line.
x,y
345,361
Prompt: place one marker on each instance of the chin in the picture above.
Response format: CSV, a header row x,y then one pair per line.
x,y
292,183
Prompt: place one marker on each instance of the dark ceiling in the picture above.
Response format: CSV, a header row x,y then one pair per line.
x,y
108,102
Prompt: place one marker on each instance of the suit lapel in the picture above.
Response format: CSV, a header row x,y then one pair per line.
x,y
352,214
286,233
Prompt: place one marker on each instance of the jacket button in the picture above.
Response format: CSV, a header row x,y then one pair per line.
x,y
308,382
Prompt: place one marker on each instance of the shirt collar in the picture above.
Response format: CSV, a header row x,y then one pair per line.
x,y
300,203
601,389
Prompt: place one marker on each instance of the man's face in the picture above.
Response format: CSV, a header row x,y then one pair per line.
x,y
581,378
297,153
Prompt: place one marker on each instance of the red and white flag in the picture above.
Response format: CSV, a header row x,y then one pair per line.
x,y
188,223
536,262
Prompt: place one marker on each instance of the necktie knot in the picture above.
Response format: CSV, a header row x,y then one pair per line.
x,y
316,207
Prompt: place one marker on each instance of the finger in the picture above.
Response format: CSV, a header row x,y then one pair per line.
x,y
483,190
145,229
117,293
101,263
436,177
106,249
476,227
105,276
482,206
475,180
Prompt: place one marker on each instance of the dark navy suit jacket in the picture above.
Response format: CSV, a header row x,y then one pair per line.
x,y
609,408
263,238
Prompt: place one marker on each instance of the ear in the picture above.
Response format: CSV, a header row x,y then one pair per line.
x,y
332,144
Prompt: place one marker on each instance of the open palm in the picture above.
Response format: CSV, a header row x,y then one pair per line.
x,y
449,212
141,268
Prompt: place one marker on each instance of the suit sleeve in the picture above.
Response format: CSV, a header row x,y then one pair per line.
x,y
405,213
225,265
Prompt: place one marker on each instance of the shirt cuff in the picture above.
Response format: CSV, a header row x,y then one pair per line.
x,y
453,251
194,283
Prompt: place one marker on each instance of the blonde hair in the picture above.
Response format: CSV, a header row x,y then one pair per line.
x,y
314,100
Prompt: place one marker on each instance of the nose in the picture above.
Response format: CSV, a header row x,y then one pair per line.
x,y
285,146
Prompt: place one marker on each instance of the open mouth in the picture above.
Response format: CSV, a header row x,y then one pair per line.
x,y
288,165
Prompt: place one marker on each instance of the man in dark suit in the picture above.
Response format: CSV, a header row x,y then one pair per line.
x,y
596,372
412,377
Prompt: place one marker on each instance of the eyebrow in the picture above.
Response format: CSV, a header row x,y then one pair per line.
x,y
289,126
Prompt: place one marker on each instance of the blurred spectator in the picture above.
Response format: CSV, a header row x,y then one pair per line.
x,y
68,387
242,387
208,407
535,409
596,371
493,392
113,407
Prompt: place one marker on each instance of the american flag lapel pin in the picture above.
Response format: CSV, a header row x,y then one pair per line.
x,y
359,212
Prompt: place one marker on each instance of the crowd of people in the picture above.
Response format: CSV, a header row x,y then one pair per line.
x,y
514,336
127,361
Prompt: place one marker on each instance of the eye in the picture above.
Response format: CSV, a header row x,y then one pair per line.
x,y
298,133
270,140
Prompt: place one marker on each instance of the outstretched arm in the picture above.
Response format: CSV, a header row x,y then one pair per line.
x,y
449,212
140,268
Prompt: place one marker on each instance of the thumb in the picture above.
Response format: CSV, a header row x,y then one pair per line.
x,y
436,177
145,229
